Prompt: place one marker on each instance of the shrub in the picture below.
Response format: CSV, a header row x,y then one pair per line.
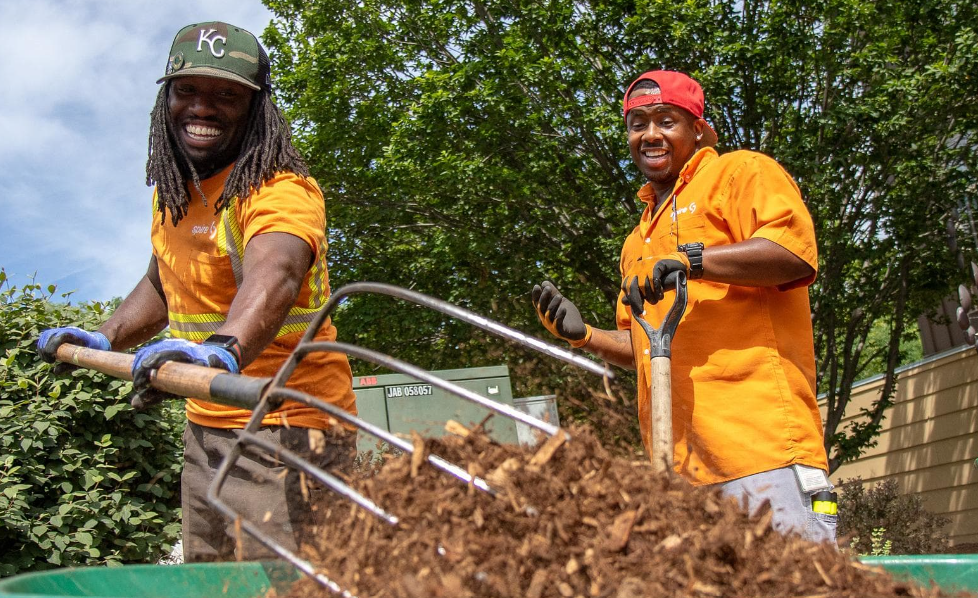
x,y
84,479
907,527
878,544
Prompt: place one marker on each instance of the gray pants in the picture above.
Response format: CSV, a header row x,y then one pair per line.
x,y
792,506
261,488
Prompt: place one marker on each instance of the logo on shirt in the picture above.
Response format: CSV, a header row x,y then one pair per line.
x,y
203,229
691,209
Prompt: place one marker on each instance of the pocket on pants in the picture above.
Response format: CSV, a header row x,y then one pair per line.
x,y
822,527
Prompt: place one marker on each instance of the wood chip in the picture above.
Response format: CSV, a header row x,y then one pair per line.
x,y
238,539
821,571
473,470
537,584
620,531
670,542
707,589
763,524
572,566
453,427
546,452
499,477
632,587
418,456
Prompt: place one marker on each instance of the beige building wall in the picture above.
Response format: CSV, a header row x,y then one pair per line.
x,y
929,442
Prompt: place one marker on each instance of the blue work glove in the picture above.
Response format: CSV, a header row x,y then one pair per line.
x,y
152,357
52,338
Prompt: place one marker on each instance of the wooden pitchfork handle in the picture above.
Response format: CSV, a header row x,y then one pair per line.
x,y
182,379
660,351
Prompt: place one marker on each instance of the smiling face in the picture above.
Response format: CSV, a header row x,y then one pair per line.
x,y
209,118
661,139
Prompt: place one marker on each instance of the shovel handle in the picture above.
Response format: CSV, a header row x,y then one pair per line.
x,y
661,411
182,379
660,380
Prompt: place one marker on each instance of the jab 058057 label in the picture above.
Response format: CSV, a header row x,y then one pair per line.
x,y
409,390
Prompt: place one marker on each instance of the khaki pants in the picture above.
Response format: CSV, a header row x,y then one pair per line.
x,y
260,488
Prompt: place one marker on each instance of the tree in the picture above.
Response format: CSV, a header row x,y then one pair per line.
x,y
472,148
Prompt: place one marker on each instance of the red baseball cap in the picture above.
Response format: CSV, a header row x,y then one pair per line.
x,y
676,89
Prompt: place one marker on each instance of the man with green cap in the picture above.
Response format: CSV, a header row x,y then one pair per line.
x,y
237,273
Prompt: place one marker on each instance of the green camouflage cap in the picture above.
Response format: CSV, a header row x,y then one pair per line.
x,y
218,50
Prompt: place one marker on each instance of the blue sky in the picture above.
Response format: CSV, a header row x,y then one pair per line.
x,y
79,80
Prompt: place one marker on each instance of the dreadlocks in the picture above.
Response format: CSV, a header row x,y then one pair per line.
x,y
266,149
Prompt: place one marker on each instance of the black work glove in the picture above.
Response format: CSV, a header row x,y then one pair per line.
x,y
648,279
559,316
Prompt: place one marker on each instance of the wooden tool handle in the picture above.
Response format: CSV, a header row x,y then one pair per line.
x,y
182,379
117,365
661,414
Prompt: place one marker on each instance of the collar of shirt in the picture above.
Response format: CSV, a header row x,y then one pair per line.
x,y
647,194
700,158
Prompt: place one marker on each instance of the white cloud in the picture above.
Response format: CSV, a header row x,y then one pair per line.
x,y
79,84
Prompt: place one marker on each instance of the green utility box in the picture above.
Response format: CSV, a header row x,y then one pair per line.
x,y
399,403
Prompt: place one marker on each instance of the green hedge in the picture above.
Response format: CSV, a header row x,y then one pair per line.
x,y
84,479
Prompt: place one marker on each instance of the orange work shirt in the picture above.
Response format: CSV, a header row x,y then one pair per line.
x,y
743,358
201,268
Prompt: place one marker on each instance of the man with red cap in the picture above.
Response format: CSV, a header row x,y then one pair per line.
x,y
745,417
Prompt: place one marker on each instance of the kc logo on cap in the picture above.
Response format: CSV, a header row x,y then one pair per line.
x,y
210,36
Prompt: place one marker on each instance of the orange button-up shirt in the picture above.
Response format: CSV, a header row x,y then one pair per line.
x,y
743,360
201,264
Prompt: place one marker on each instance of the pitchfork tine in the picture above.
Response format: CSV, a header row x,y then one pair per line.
x,y
444,307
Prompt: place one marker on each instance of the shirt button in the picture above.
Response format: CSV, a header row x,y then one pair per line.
x,y
645,352
648,240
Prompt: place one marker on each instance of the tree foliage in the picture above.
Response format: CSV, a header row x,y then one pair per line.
x,y
84,480
472,148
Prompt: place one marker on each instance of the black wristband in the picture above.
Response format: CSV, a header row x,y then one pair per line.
x,y
229,343
694,252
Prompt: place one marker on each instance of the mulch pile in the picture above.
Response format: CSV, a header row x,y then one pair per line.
x,y
576,522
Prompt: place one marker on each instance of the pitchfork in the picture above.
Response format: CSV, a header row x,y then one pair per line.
x,y
262,395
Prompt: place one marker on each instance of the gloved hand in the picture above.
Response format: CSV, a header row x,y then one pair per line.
x,y
649,278
559,316
52,338
151,357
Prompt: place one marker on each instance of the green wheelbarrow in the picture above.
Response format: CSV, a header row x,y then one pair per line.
x,y
256,580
